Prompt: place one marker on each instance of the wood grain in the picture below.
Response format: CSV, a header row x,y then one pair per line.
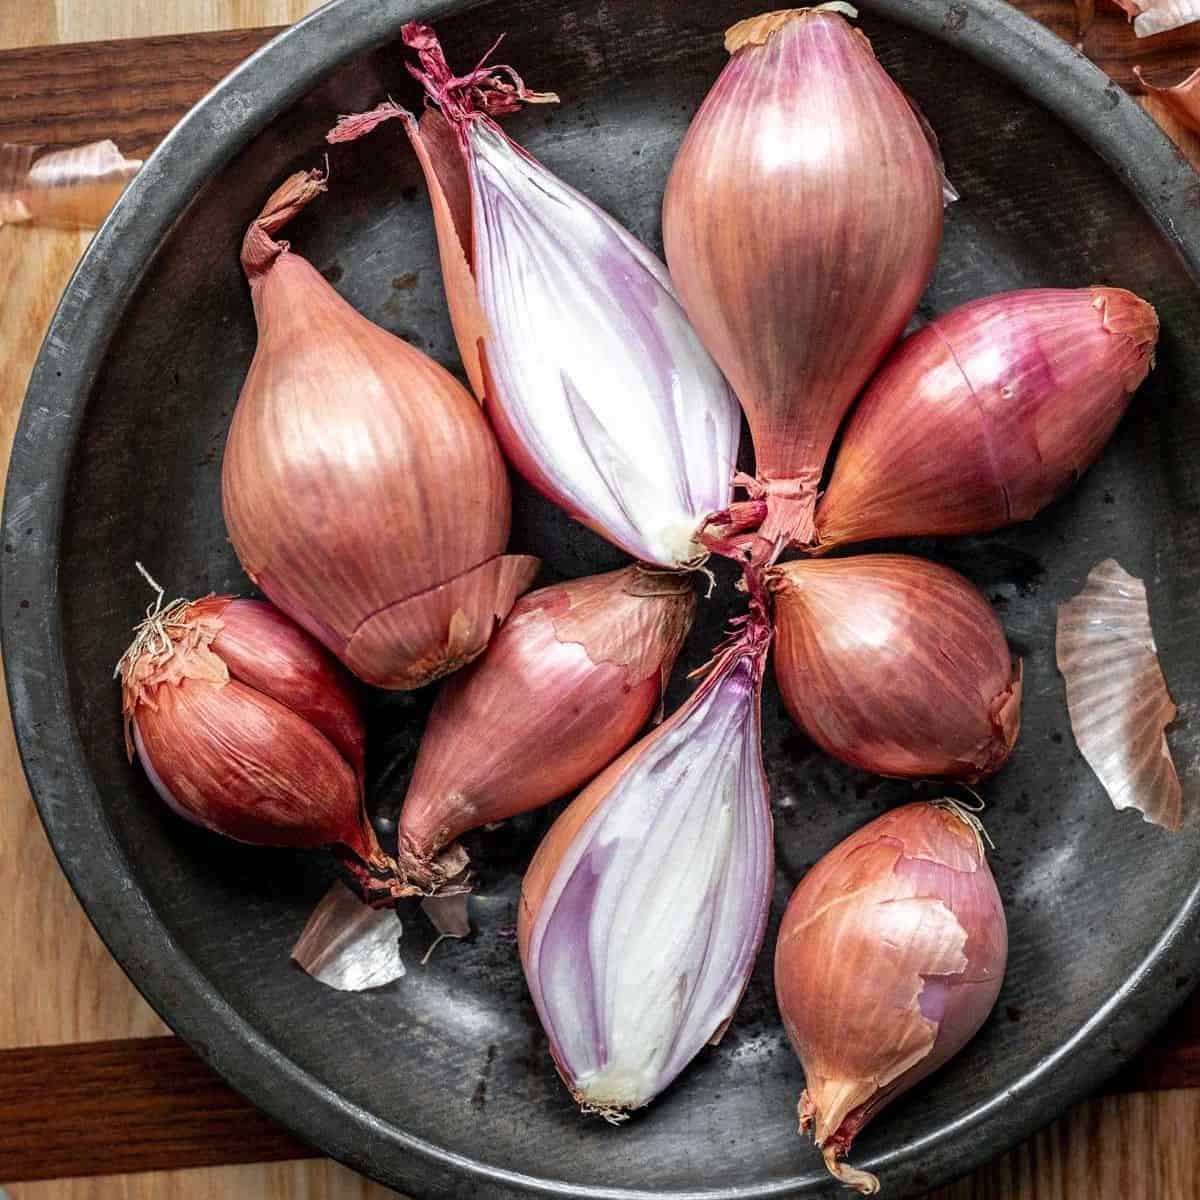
x,y
1113,46
57,983
138,1104
148,1104
318,1179
130,91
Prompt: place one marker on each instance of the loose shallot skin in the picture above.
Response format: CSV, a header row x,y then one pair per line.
x,y
890,956
246,726
988,414
566,684
363,490
895,665
801,219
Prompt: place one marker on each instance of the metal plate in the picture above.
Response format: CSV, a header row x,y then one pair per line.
x,y
441,1085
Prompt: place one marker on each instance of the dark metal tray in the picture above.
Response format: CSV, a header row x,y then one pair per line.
x,y
441,1084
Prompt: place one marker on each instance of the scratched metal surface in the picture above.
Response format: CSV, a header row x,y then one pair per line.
x,y
441,1084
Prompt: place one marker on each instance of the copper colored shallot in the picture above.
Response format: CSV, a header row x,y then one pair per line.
x,y
362,488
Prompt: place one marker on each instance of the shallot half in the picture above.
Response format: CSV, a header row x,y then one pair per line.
x,y
248,727
801,219
644,908
895,665
597,386
890,956
362,488
988,413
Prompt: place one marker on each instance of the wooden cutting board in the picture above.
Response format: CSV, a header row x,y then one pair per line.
x,y
89,1082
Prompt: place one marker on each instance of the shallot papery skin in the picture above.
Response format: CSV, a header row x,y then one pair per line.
x,y
363,490
570,679
644,908
246,726
802,219
1160,16
1182,99
1117,697
895,665
890,956
599,390
71,188
988,414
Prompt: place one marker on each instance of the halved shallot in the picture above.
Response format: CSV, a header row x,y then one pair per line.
x,y
801,219
597,386
572,676
362,488
644,908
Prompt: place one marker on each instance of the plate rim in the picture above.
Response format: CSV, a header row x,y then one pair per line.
x,y
1042,66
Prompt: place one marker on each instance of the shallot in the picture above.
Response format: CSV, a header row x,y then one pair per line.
x,y
890,957
598,388
362,488
801,219
988,413
895,665
644,908
570,679
248,727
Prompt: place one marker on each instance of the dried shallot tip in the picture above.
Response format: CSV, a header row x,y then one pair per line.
x,y
643,909
598,388
1181,99
66,189
448,911
895,665
349,946
569,680
1160,16
363,490
1117,697
248,727
890,956
805,183
987,414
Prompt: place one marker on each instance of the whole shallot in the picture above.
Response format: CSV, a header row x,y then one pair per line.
x,y
248,727
801,219
890,957
566,684
895,665
362,488
988,413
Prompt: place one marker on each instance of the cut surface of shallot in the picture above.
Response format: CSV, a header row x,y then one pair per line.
x,y
644,908
597,386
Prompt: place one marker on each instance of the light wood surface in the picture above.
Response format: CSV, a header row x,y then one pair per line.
x,y
57,982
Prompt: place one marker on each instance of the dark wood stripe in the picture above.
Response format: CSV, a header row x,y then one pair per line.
x,y
146,1104
132,91
150,1104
